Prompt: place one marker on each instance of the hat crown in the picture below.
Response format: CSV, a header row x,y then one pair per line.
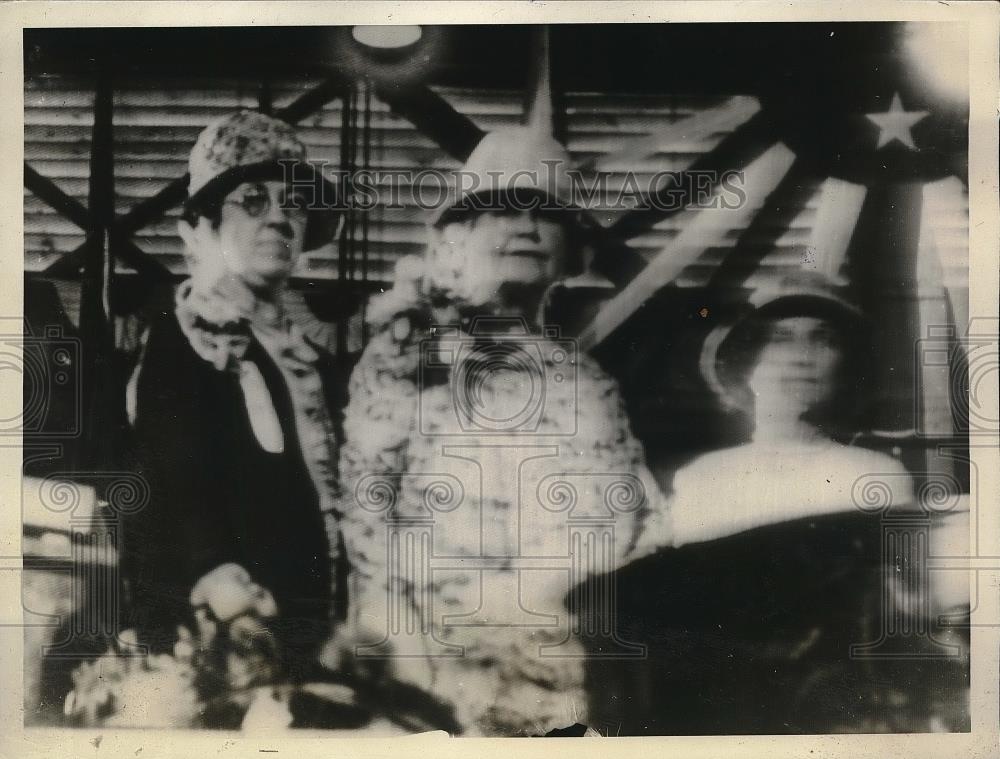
x,y
241,139
802,286
514,150
514,158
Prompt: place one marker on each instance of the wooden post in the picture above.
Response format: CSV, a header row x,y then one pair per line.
x,y
96,323
883,261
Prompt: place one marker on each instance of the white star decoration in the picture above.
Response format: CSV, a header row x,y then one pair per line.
x,y
895,124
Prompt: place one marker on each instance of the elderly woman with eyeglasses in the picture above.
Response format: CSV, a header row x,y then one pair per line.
x,y
234,409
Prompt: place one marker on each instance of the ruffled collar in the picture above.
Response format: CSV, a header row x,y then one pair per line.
x,y
221,320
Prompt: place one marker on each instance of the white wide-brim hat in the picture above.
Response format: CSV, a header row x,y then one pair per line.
x,y
519,165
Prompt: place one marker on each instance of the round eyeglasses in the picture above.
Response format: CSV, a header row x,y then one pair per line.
x,y
256,200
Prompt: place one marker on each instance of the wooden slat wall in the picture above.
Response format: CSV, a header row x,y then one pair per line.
x,y
156,122
58,121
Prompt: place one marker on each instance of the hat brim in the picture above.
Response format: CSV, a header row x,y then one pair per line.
x,y
826,307
325,213
481,201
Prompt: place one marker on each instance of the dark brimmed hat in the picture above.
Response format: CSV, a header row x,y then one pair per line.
x,y
728,349
250,146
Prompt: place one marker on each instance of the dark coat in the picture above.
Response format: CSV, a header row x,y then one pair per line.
x,y
217,496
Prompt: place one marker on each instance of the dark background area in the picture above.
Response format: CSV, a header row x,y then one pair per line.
x,y
702,58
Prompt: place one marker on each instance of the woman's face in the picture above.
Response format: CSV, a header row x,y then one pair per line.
x,y
799,363
526,247
261,231
502,258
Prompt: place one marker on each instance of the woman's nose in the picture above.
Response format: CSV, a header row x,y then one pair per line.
x,y
803,355
524,223
281,223
277,212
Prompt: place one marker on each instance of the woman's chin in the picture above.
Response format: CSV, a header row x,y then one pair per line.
x,y
267,278
783,408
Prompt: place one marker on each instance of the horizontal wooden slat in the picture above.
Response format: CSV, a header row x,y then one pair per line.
x,y
157,121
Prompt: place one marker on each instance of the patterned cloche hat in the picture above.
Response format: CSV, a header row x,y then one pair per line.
x,y
247,146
